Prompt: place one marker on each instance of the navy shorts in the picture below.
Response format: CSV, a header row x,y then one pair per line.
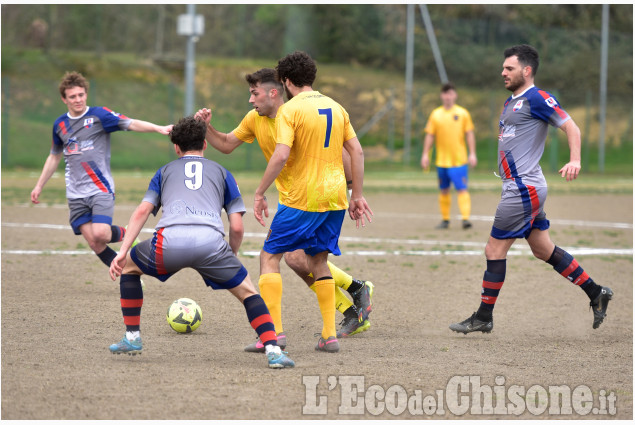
x,y
314,232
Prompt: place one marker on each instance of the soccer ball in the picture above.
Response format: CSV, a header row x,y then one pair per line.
x,y
184,315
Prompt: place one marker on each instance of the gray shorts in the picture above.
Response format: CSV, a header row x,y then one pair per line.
x,y
98,208
520,210
202,248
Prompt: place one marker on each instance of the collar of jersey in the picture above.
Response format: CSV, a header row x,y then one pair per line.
x,y
525,91
68,114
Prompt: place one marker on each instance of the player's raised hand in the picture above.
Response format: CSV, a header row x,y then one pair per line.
x,y
570,170
204,115
358,209
117,265
261,207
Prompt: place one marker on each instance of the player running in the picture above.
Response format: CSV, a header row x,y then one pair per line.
x,y
311,132
259,123
523,124
82,135
191,191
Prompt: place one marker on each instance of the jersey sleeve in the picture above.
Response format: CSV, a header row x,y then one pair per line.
x,y
545,107
233,202
111,120
430,127
246,130
153,194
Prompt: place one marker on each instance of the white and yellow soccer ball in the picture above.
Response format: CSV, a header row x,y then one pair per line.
x,y
184,315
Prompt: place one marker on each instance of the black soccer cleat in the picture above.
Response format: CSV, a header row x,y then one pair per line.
x,y
443,225
599,306
472,324
467,224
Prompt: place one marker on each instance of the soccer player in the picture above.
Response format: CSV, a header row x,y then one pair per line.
x,y
259,123
82,135
311,132
450,125
191,191
524,122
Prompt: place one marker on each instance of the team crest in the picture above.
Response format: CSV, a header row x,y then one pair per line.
x,y
518,105
88,122
551,102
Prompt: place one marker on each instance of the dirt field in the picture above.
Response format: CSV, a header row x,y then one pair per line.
x,y
60,311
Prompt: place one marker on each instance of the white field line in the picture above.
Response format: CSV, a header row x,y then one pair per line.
x,y
517,249
421,216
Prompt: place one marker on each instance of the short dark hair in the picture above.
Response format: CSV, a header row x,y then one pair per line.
x,y
447,87
298,67
189,134
527,56
264,76
72,79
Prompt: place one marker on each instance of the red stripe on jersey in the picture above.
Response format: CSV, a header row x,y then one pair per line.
x,y
574,265
128,303
492,285
158,252
506,170
557,108
63,127
131,320
94,177
265,337
122,116
263,318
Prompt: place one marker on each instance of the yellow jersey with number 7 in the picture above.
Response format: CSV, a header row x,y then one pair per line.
x,y
315,127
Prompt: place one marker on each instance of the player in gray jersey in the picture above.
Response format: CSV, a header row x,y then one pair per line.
x,y
82,136
523,126
191,191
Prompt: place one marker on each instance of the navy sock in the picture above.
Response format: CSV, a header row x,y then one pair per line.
x,y
118,234
260,319
107,255
493,279
567,266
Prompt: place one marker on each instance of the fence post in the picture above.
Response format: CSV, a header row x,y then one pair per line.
x,y
5,121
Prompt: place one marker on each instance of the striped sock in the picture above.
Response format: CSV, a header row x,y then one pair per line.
x,y
260,319
493,279
567,266
131,300
118,234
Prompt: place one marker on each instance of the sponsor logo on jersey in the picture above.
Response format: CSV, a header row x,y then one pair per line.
x,y
88,122
518,105
551,102
72,147
87,145
456,118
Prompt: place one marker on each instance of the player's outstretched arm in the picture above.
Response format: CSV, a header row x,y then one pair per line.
x,y
222,142
148,127
236,231
571,169
50,165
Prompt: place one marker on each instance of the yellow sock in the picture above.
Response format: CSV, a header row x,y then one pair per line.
x,y
445,203
270,285
324,289
342,303
341,278
465,204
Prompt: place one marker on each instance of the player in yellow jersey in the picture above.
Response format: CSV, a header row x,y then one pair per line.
x,y
449,126
311,132
267,97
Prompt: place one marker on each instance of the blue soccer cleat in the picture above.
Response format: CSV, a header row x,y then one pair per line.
x,y
279,360
127,347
